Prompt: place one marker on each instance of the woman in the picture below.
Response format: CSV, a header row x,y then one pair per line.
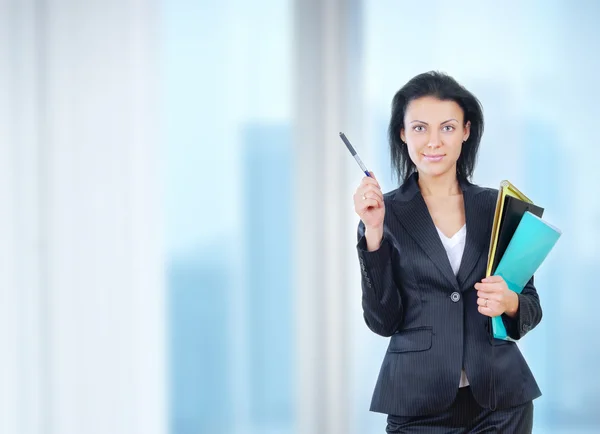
x,y
423,254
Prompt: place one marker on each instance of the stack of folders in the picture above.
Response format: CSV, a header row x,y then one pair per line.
x,y
520,242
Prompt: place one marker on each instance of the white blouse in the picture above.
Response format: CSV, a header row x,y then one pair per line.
x,y
455,247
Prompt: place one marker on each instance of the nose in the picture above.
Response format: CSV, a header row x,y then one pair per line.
x,y
434,140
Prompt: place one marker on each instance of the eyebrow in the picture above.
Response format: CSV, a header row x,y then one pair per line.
x,y
423,122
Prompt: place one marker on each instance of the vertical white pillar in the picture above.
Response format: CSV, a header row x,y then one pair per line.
x,y
326,89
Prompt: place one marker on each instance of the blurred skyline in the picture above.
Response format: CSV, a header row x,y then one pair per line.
x,y
178,237
511,72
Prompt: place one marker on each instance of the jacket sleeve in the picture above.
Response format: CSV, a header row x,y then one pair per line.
x,y
381,301
529,313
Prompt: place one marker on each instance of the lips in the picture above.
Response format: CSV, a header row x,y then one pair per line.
x,y
433,157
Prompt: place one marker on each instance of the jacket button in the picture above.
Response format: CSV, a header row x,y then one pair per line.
x,y
455,296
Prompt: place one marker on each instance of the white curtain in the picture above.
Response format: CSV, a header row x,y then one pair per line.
x,y
82,303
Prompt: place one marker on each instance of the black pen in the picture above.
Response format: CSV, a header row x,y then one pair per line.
x,y
354,154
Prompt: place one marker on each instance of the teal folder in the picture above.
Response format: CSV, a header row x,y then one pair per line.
x,y
533,239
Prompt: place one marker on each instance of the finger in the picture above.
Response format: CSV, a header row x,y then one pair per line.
x,y
496,296
372,195
486,311
492,308
493,279
485,287
371,203
372,191
369,181
372,187
489,295
488,302
371,178
366,203
488,287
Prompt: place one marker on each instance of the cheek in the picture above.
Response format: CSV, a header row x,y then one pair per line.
x,y
416,143
454,146
414,151
458,149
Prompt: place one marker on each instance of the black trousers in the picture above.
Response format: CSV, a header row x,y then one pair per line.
x,y
466,416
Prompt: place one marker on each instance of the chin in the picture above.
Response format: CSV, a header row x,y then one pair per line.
x,y
435,171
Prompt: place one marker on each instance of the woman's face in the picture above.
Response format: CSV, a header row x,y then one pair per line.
x,y
434,132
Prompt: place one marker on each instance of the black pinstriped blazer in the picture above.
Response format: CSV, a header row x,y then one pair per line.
x,y
410,293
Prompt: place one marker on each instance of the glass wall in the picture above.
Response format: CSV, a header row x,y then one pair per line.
x,y
228,107
228,170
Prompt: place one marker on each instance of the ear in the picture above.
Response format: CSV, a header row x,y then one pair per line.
x,y
467,132
402,135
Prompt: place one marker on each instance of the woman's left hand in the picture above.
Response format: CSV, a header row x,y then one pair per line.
x,y
494,298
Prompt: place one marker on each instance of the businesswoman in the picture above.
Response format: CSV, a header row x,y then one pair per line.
x,y
423,253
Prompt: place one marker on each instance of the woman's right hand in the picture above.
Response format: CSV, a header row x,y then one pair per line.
x,y
368,204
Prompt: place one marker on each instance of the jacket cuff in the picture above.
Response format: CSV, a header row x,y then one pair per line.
x,y
376,258
516,327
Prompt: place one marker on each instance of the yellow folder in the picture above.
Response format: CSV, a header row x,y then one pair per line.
x,y
506,189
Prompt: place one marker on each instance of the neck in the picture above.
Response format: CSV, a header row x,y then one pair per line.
x,y
440,186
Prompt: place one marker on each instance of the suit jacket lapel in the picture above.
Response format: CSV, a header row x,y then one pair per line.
x,y
477,226
413,214
411,210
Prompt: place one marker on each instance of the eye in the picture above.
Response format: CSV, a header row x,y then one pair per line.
x,y
419,128
448,128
